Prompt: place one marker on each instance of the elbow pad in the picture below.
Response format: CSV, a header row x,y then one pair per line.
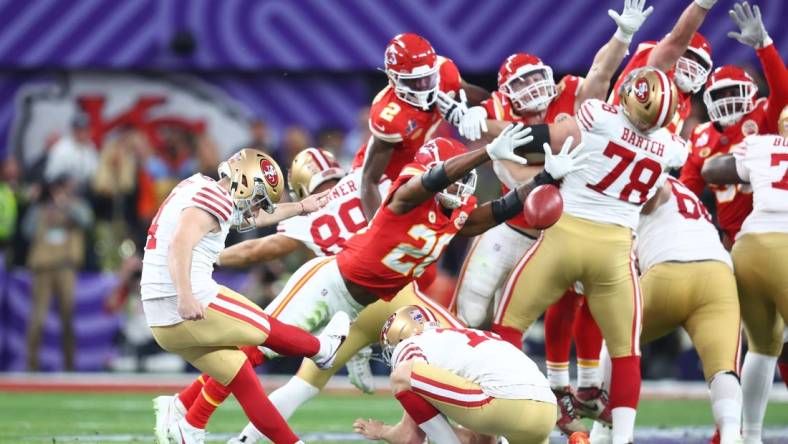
x,y
506,207
435,179
541,135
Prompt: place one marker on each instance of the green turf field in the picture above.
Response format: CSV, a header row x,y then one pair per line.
x,y
70,417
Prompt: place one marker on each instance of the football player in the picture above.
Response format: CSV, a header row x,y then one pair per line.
x,y
592,242
471,376
177,289
527,93
403,115
684,54
687,281
760,257
730,99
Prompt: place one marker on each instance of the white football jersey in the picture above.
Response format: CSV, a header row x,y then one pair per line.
x,y
679,230
325,231
624,169
479,356
196,191
765,165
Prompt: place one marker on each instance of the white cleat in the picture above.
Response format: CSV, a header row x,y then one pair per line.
x,y
331,338
167,410
182,432
359,372
601,434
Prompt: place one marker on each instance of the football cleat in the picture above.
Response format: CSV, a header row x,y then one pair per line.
x,y
359,372
167,410
181,432
331,339
590,401
601,434
568,422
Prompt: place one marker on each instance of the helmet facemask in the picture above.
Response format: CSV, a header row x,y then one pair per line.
x,y
246,209
458,193
418,88
531,89
691,72
728,103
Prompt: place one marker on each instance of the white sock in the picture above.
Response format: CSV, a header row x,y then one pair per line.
x,y
588,375
179,407
623,424
605,371
286,399
726,399
439,431
600,434
756,381
558,374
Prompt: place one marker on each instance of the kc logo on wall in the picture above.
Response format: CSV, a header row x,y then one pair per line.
x,y
150,103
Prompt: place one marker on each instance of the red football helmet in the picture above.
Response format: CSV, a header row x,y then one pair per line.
x,y
730,95
442,149
412,67
527,82
691,72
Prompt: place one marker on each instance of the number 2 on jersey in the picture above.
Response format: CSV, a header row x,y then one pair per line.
x,y
635,182
777,159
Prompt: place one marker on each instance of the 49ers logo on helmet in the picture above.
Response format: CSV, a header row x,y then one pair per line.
x,y
269,172
641,90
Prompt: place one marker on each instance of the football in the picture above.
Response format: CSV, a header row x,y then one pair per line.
x,y
543,207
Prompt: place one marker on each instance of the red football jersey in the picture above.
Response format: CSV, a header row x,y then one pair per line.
x,y
396,249
640,60
393,120
499,107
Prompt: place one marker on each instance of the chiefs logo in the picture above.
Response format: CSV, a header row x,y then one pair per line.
x,y
391,55
641,90
460,220
269,172
749,128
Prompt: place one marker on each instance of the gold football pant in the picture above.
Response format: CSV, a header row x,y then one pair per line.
x,y
702,298
596,254
520,421
211,344
761,264
366,330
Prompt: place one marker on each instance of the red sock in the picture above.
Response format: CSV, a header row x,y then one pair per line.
x,y
588,337
783,366
417,407
255,356
509,334
625,382
211,396
557,324
288,340
258,408
190,393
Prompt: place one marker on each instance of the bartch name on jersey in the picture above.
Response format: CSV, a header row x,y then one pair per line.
x,y
643,143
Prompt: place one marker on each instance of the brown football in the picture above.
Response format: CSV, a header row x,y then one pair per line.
x,y
543,207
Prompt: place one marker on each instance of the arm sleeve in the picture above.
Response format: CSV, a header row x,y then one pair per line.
x,y
450,75
593,115
777,78
209,199
384,130
690,174
410,351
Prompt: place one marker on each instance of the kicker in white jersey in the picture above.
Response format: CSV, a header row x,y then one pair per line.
x,y
156,282
679,230
764,163
479,356
325,231
626,166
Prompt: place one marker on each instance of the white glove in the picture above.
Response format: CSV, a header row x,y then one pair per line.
x,y
473,123
630,19
513,136
705,4
748,19
450,109
563,163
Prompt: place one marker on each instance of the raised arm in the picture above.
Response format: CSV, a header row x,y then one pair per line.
x,y
253,251
377,158
193,224
721,170
475,94
287,210
673,46
609,57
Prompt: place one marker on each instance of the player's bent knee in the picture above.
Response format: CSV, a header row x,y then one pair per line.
x,y
400,377
473,313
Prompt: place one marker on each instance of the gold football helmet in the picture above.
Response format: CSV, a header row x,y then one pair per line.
x,y
311,168
782,122
649,98
256,183
407,321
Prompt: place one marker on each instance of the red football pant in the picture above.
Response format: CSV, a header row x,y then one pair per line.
x,y
571,312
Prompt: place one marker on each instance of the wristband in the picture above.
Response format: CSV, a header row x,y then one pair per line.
x,y
506,207
541,135
435,179
544,178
